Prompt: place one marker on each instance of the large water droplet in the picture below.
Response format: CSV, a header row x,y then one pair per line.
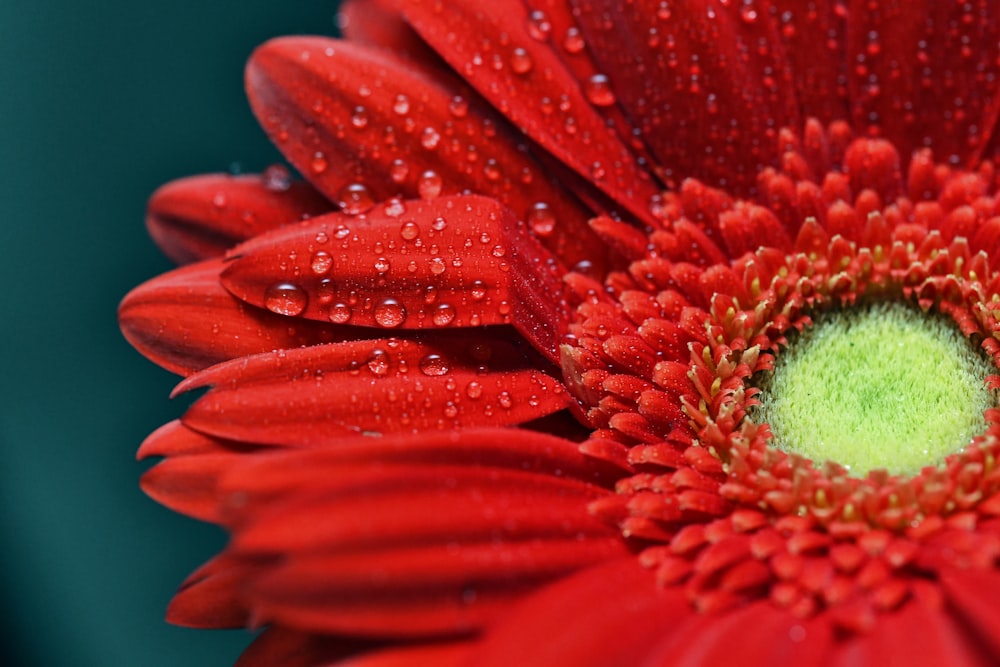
x,y
354,199
277,178
340,313
539,26
541,219
597,88
398,171
285,299
444,315
378,363
389,314
430,184
434,365
318,164
520,61
321,263
409,230
473,390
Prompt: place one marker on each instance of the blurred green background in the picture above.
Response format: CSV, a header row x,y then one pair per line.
x,y
99,104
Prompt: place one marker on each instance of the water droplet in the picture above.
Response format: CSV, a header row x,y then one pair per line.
x,y
541,219
220,201
322,262
437,266
318,164
573,41
499,251
340,313
398,171
378,363
450,410
354,199
430,138
444,315
382,265
439,224
597,88
409,230
520,61
389,314
505,400
492,170
325,291
277,178
539,26
401,105
478,290
458,107
434,365
359,118
322,237
285,299
473,390
430,184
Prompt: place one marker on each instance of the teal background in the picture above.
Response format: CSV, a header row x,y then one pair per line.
x,y
99,104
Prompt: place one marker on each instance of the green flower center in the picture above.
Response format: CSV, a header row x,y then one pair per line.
x,y
878,386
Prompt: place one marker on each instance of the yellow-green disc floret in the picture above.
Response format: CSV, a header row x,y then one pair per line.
x,y
878,386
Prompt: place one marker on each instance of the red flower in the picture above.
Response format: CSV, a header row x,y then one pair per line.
x,y
487,388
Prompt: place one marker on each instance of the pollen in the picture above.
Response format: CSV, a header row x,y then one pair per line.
x,y
884,385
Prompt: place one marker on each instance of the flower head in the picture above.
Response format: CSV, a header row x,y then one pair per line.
x,y
597,333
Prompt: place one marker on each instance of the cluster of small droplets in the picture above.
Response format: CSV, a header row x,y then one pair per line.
x,y
662,360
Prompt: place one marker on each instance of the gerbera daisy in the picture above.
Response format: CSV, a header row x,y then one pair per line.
x,y
597,334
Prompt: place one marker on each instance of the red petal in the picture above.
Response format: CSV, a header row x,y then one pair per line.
x,y
211,596
185,321
452,262
320,394
521,77
758,635
203,216
610,614
706,82
291,648
813,36
379,23
394,549
974,594
913,637
189,484
926,73
513,449
438,654
362,127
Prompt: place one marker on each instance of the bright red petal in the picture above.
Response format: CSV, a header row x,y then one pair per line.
x,y
758,635
204,216
186,321
452,262
926,73
362,126
321,394
706,82
528,82
211,597
913,637
611,614
974,594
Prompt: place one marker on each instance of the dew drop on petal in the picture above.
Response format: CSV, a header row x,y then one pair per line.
x,y
378,363
458,107
409,230
325,291
354,199
505,400
321,263
478,290
597,88
541,219
434,365
277,178
285,299
401,105
340,313
437,266
473,390
398,171
429,185
450,410
539,26
520,61
318,164
359,118
573,41
430,138
439,224
444,315
382,265
389,314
